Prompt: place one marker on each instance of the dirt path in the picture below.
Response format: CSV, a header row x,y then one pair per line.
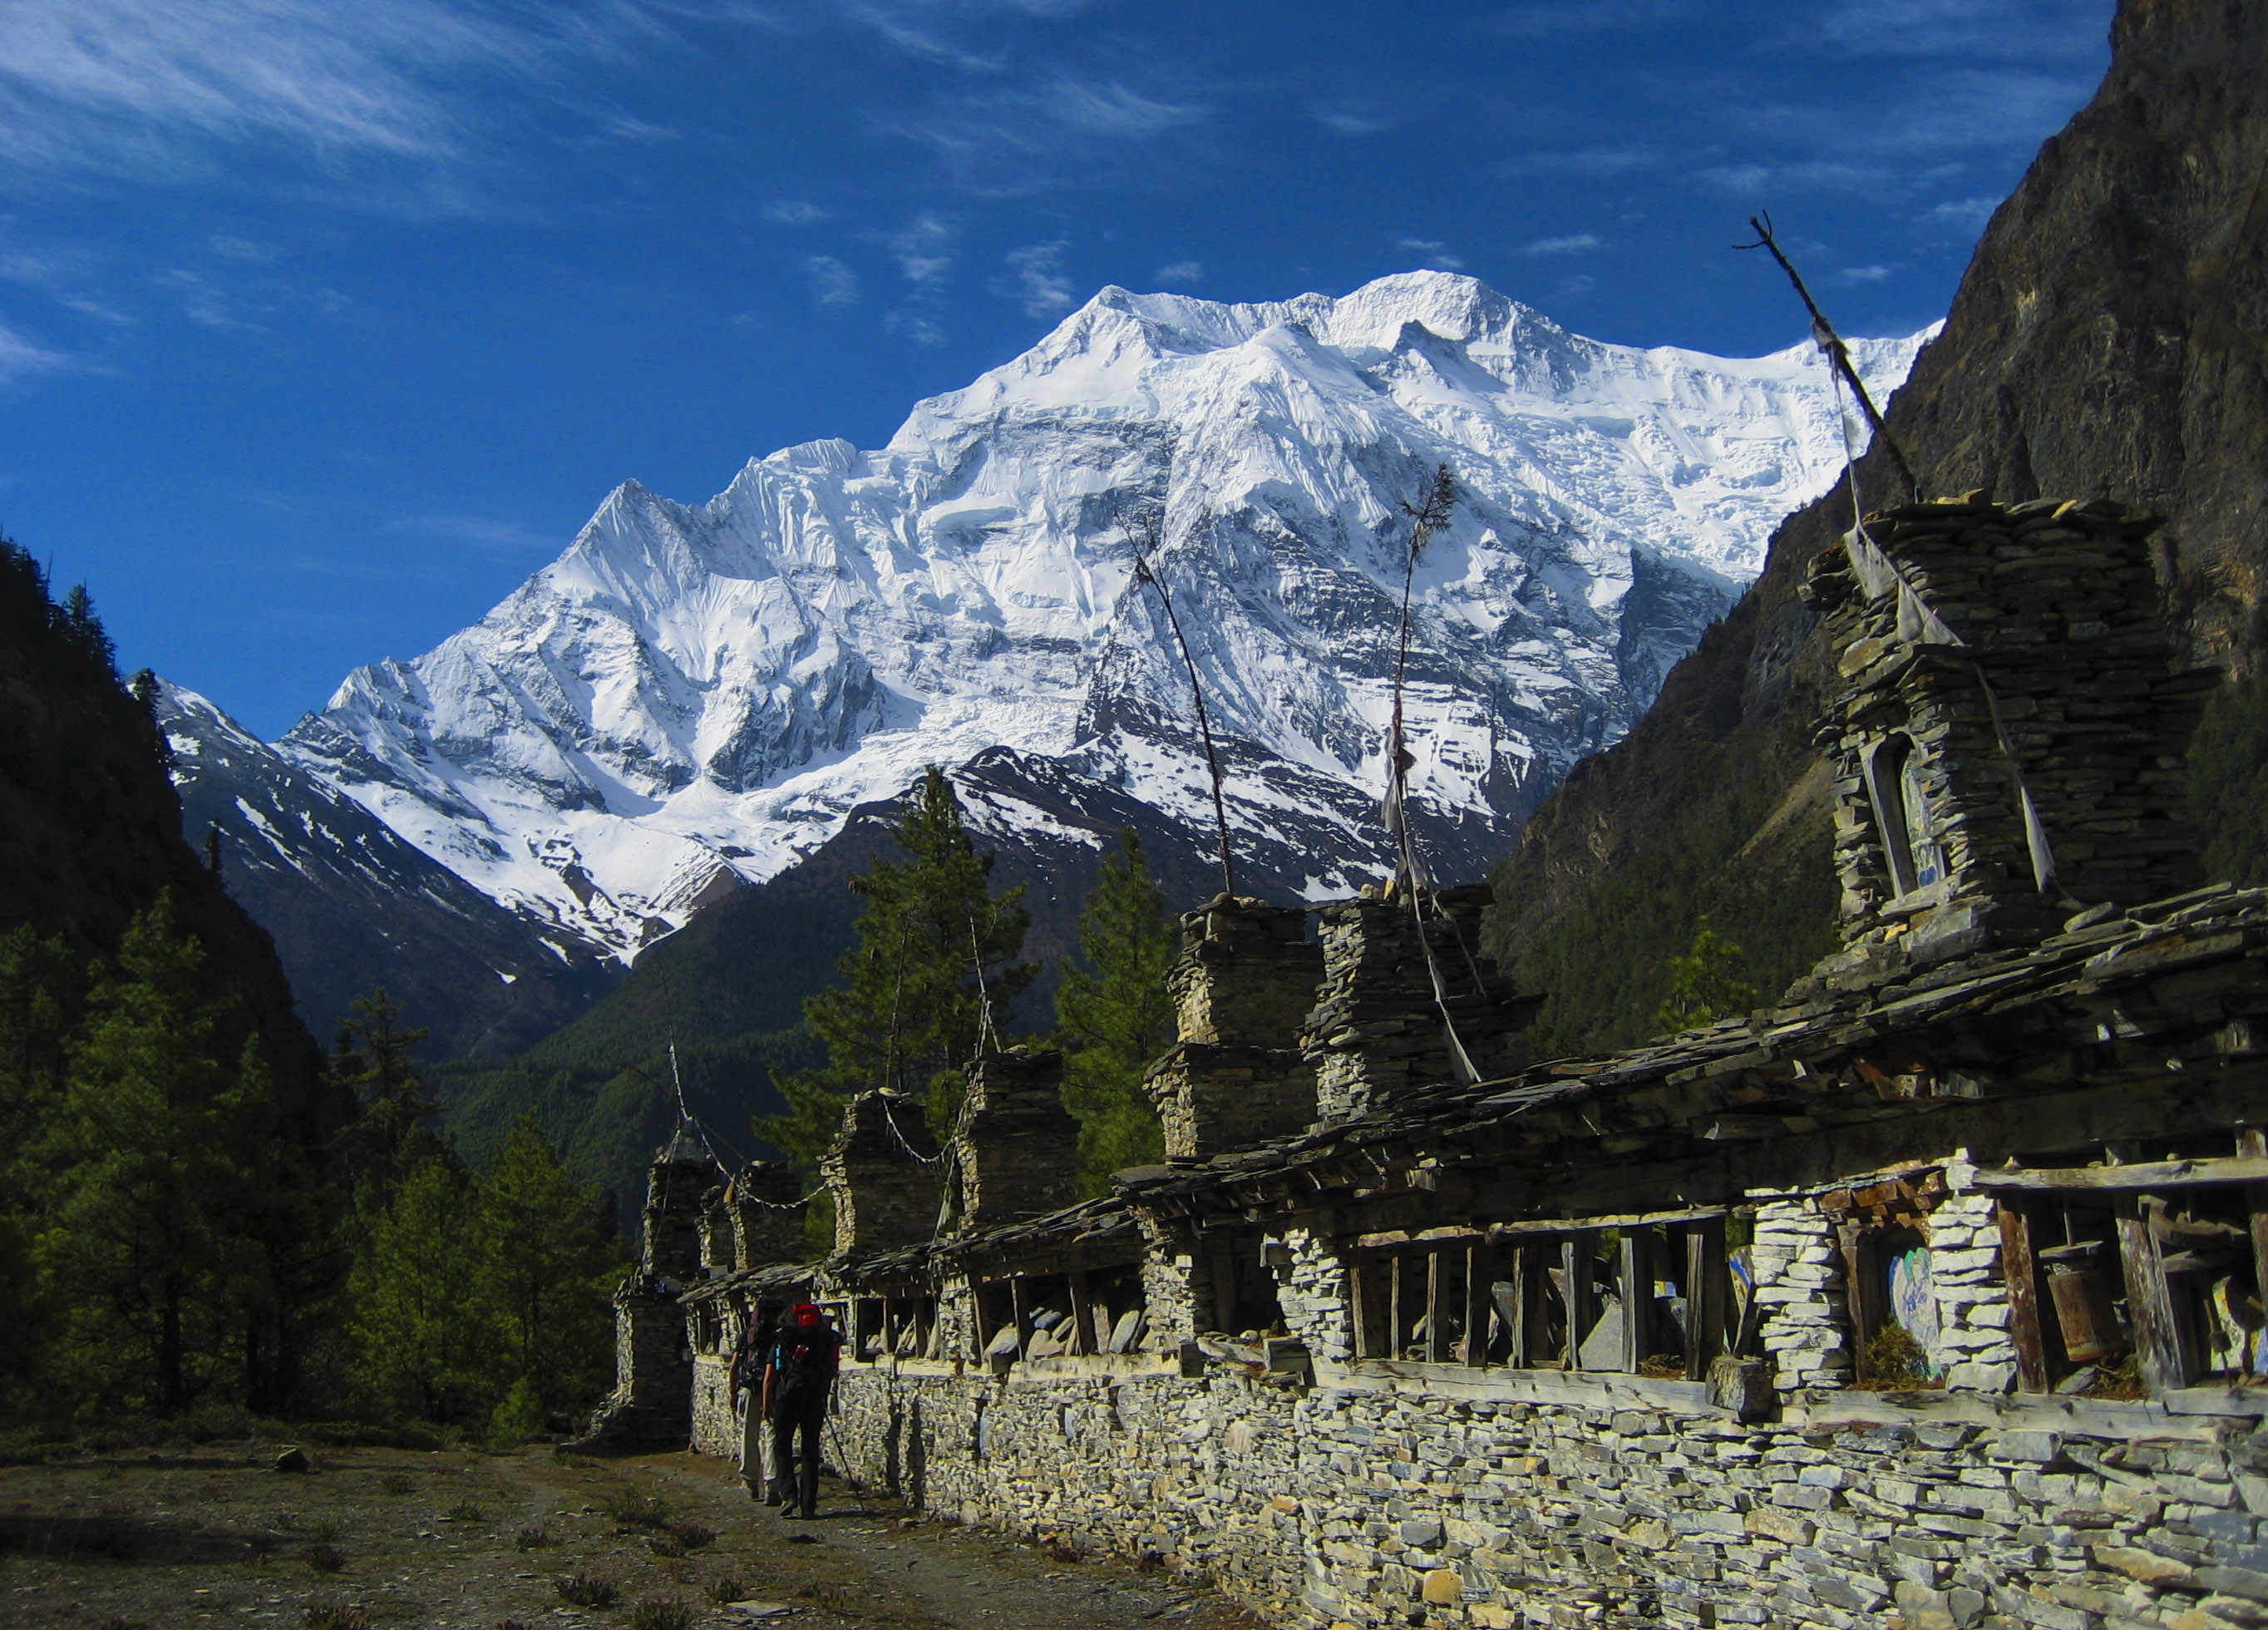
x,y
456,1541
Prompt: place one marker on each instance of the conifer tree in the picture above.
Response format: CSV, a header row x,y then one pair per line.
x,y
1113,1017
1706,984
547,1270
423,1346
390,1137
142,1140
909,1013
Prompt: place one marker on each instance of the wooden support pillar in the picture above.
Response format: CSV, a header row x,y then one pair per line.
x,y
1224,1293
1082,1317
1367,1285
1480,1271
1440,1268
1576,1256
2160,1343
1864,1287
1635,1278
1398,1304
889,1330
2020,1268
1536,1305
1705,1297
1020,1299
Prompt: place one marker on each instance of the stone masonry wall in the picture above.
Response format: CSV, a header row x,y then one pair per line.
x,y
1414,1499
1018,1146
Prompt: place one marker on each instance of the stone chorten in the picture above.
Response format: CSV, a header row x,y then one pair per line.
x,y
2047,614
885,1175
1016,1146
1246,976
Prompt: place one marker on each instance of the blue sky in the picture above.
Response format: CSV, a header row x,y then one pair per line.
x,y
323,322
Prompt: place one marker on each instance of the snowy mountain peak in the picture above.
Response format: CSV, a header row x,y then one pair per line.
x,y
689,691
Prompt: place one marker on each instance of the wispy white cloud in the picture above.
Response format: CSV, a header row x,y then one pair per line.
x,y
832,283
1063,129
20,357
1599,163
1545,20
1965,211
794,213
154,87
922,247
1573,243
1866,274
914,325
1181,271
2024,31
1435,252
1352,118
486,533
1038,280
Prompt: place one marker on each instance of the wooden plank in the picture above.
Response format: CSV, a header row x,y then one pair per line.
x,y
1575,1258
1398,1318
2020,1272
1082,1317
1705,1291
1366,1284
1636,1279
2158,1343
1503,1231
1440,1272
1224,1293
1405,1236
2143,1175
1480,1272
1020,1299
1863,1286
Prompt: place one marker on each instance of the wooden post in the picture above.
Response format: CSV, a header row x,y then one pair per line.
x,y
2020,1271
1224,1293
2159,1346
1440,1265
1576,1256
889,1330
1863,1287
1366,1284
1705,1297
1020,1299
1534,1305
1082,1317
1636,1278
1397,1306
1480,1272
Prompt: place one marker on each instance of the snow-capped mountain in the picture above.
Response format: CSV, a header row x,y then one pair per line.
x,y
352,907
693,696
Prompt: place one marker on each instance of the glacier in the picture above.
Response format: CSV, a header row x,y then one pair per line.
x,y
695,697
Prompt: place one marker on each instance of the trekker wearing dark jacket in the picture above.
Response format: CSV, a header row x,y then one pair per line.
x,y
806,1355
746,1378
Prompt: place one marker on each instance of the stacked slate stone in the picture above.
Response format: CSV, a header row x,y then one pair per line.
x,y
652,1404
1246,976
1376,1030
2057,606
766,1204
1016,1145
885,1176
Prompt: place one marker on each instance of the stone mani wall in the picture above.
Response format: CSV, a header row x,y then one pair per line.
x,y
887,1190
1017,1147
1242,984
1418,1500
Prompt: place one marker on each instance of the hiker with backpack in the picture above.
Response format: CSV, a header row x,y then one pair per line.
x,y
746,1378
806,1352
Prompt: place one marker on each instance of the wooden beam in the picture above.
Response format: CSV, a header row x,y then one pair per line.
x,y
1636,1278
1575,1256
1503,1231
1021,1299
1440,1267
1366,1287
1705,1292
2146,1175
2159,1338
1863,1287
2020,1268
1480,1272
1398,1311
1082,1317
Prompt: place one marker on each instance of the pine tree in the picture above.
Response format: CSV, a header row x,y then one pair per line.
x,y
424,1345
547,1270
1706,984
911,1011
140,1139
390,1137
1113,1017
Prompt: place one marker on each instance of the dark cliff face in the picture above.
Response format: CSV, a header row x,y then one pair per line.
x,y
90,834
2109,339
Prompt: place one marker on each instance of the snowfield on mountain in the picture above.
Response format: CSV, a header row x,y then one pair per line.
x,y
693,693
